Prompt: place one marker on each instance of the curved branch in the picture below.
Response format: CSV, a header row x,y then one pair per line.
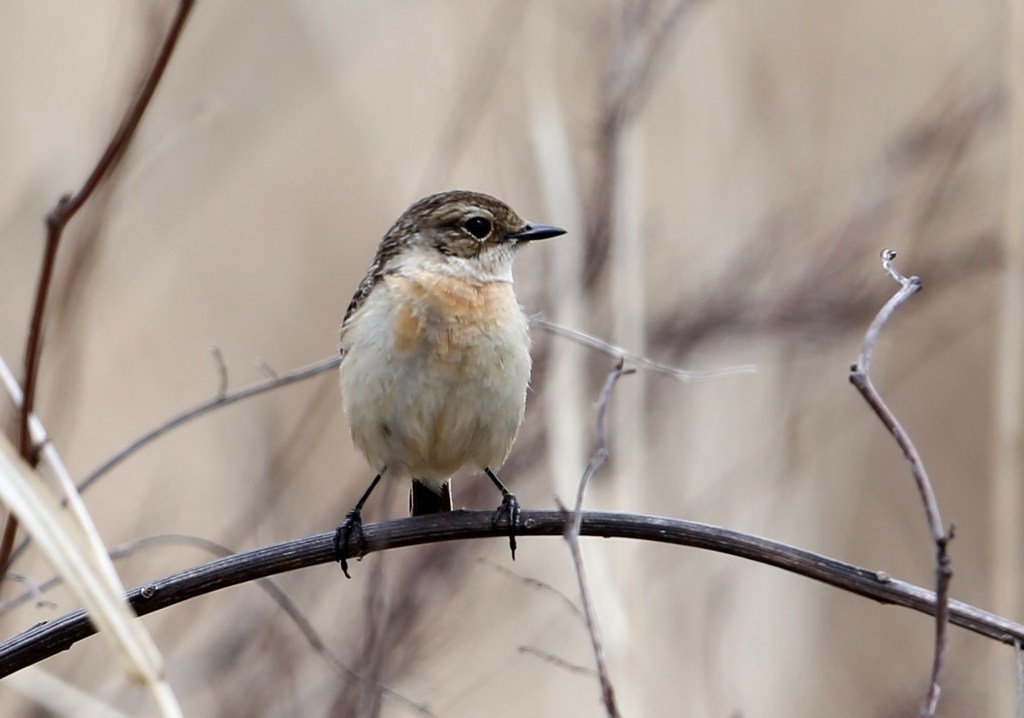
x,y
47,639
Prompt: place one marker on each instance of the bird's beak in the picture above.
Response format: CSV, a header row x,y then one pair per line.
x,y
536,231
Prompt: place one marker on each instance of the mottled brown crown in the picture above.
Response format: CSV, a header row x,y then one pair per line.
x,y
457,223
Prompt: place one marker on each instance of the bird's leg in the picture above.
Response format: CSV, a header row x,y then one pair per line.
x,y
510,506
353,525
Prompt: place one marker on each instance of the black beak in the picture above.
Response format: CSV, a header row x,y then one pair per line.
x,y
536,231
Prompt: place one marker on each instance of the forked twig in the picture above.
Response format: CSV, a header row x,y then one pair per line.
x,y
860,378
56,220
572,537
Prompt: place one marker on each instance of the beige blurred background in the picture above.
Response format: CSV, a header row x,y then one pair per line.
x,y
728,172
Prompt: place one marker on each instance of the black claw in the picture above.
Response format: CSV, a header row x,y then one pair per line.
x,y
509,506
351,526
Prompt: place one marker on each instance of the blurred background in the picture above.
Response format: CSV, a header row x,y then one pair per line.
x,y
728,173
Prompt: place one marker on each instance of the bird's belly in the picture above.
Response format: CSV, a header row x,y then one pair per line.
x,y
427,393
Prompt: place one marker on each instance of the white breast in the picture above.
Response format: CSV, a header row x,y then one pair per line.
x,y
434,374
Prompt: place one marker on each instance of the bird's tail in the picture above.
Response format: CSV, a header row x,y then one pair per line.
x,y
425,499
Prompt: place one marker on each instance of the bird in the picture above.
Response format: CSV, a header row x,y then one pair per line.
x,y
435,353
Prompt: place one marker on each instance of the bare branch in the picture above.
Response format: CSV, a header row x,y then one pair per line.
x,y
56,220
860,378
44,640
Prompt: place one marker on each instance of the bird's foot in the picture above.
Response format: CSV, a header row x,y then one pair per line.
x,y
510,507
351,528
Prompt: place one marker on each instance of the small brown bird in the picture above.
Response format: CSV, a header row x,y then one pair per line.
x,y
436,352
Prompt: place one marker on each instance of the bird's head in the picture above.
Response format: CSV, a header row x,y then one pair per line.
x,y
470,234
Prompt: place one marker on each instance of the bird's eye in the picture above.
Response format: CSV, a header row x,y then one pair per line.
x,y
478,227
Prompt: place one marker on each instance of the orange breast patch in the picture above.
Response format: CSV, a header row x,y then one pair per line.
x,y
407,328
441,309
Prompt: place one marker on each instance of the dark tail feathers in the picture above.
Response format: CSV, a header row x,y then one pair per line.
x,y
424,500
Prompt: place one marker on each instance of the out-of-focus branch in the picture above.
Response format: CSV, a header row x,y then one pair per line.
x,y
641,362
640,43
218,401
56,220
1007,493
860,378
221,399
45,640
556,661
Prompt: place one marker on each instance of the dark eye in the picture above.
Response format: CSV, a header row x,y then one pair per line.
x,y
478,227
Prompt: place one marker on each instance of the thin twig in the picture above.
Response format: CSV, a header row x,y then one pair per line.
x,y
222,370
45,640
534,583
556,661
195,412
641,362
205,407
860,378
572,537
56,220
265,368
34,591
601,449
